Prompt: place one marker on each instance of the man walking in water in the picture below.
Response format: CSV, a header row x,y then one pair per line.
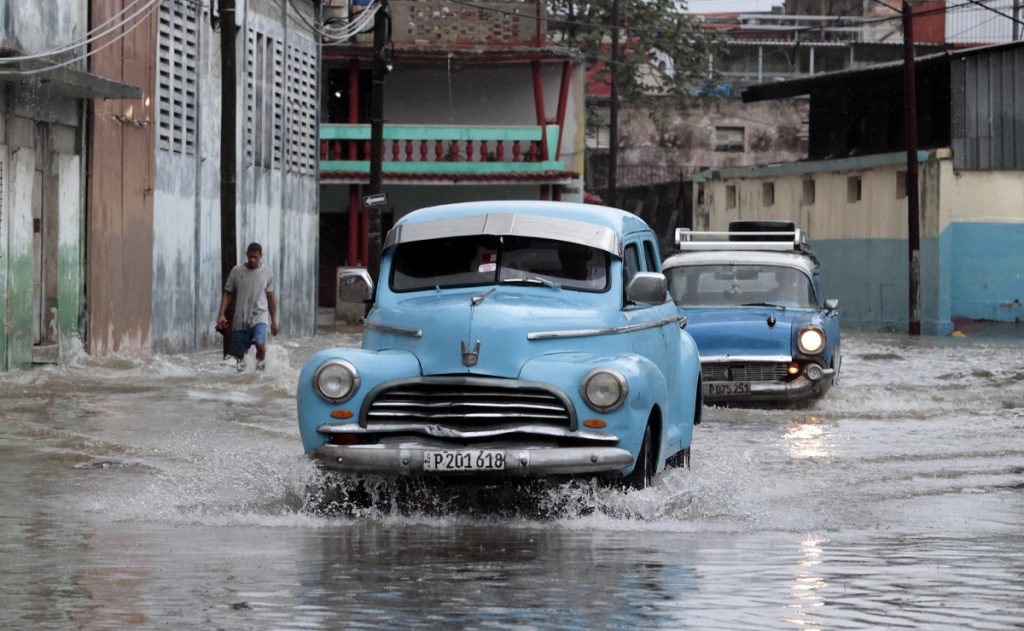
x,y
251,286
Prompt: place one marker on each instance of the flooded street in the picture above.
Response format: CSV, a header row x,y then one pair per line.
x,y
169,492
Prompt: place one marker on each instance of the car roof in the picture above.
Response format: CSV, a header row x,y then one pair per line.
x,y
802,261
621,221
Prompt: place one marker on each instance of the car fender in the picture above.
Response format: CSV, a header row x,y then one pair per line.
x,y
647,390
374,367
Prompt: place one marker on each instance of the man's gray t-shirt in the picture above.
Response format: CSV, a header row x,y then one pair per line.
x,y
249,288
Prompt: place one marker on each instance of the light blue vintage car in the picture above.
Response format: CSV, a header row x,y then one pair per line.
x,y
517,338
756,308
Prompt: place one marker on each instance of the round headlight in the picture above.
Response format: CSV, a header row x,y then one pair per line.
x,y
336,380
604,389
811,340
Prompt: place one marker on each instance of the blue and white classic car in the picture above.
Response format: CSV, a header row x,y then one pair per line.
x,y
756,308
519,338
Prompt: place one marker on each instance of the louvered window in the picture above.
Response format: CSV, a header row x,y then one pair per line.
x,y
300,156
176,77
265,101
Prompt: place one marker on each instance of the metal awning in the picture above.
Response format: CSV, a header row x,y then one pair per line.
x,y
68,80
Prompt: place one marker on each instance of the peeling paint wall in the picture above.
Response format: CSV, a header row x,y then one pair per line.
x,y
277,180
680,136
40,224
36,26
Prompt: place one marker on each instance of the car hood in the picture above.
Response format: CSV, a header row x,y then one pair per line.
x,y
449,326
744,331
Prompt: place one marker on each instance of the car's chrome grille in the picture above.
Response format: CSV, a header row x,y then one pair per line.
x,y
471,402
743,371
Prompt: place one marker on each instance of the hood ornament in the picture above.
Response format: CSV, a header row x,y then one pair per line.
x,y
469,357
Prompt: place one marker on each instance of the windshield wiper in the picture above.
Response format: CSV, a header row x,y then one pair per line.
x,y
532,280
763,304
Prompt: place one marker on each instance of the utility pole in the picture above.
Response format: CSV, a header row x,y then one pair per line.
x,y
913,210
1017,4
613,117
228,143
380,68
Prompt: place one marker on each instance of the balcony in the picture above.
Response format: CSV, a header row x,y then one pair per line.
x,y
444,154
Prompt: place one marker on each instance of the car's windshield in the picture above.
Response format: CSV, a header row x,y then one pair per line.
x,y
739,285
486,260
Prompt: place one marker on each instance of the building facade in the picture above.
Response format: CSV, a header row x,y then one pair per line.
x,y
851,196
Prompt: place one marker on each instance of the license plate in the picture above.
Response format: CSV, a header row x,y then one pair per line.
x,y
463,460
726,388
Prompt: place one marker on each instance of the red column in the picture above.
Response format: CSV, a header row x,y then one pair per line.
x,y
538,100
353,226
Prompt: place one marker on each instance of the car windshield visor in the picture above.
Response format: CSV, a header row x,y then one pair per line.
x,y
486,260
740,285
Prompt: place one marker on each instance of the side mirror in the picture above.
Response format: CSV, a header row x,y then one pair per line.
x,y
832,304
355,285
648,287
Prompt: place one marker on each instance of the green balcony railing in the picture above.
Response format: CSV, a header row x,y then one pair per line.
x,y
442,149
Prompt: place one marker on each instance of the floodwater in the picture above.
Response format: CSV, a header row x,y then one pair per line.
x,y
169,492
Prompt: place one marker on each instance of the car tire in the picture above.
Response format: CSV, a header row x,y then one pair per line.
x,y
642,475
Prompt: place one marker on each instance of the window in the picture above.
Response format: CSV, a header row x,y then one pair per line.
x,y
729,139
630,266
597,137
768,193
853,191
808,196
730,197
486,260
740,285
176,77
901,185
650,256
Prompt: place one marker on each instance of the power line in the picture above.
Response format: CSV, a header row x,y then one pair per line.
x,y
82,42
151,6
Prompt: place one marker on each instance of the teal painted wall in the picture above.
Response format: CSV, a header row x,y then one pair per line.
x,y
871,280
986,263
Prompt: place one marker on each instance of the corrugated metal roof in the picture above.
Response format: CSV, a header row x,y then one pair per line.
x,y
805,85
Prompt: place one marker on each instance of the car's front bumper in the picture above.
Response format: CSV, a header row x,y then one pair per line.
x,y
519,462
803,387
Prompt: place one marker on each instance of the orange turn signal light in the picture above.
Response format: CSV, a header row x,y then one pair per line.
x,y
595,423
342,414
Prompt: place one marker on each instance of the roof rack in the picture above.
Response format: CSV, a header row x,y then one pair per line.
x,y
785,241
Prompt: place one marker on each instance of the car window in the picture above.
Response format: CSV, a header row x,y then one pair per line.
x,y
650,256
485,260
737,285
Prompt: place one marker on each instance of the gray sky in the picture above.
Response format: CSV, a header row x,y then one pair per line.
x,y
713,6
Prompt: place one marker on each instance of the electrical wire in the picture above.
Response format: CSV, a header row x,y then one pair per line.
x,y
79,43
152,5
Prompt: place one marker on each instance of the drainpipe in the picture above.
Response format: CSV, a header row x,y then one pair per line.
x,y
613,117
913,209
380,26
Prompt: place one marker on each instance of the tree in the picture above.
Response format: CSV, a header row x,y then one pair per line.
x,y
663,50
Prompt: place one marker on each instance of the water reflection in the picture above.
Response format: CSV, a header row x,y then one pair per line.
x,y
806,438
806,589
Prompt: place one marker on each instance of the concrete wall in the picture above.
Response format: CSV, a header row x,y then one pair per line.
x,y
972,222
32,27
277,197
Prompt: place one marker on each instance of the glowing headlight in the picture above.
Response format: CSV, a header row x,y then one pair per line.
x,y
604,389
811,340
336,380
